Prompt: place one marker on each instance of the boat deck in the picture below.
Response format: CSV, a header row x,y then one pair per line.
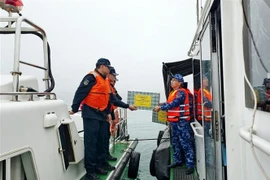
x,y
179,173
119,151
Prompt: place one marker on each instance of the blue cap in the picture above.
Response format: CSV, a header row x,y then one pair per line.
x,y
178,77
112,71
103,61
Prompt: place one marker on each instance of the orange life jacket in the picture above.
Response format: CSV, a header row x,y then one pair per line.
x,y
113,92
198,105
207,111
174,114
98,96
191,110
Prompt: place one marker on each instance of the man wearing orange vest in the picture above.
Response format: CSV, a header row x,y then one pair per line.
x,y
207,102
207,116
178,115
94,90
111,78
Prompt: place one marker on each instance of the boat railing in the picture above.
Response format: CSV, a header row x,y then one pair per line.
x,y
31,94
257,141
14,26
121,132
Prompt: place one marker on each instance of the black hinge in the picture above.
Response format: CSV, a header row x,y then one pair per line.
x,y
216,126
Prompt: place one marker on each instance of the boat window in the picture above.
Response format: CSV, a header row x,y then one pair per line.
x,y
256,51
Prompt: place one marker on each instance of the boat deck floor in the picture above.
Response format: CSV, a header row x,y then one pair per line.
x,y
179,173
119,151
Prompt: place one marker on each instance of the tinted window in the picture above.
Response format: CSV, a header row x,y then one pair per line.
x,y
258,66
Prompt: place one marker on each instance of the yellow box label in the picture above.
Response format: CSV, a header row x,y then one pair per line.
x,y
143,100
162,116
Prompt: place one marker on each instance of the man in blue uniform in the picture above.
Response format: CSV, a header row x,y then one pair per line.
x,y
112,78
94,117
179,124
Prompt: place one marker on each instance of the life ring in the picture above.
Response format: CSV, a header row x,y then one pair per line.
x,y
152,166
113,126
134,162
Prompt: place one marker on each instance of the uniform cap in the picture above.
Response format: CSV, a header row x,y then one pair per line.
x,y
104,61
178,77
112,71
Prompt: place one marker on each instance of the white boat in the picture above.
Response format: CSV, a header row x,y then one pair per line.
x,y
39,140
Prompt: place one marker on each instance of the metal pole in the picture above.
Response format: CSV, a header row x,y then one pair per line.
x,y
16,69
46,60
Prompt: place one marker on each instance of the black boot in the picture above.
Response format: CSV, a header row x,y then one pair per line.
x,y
189,170
111,158
91,176
108,167
100,170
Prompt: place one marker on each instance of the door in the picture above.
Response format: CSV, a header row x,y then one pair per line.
x,y
218,116
210,97
206,101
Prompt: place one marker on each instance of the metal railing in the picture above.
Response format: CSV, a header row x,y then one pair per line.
x,y
18,30
121,128
257,141
31,94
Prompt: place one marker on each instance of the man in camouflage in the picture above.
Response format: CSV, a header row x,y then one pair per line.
x,y
179,124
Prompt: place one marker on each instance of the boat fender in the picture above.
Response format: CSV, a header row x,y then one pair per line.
x,y
134,162
160,134
152,164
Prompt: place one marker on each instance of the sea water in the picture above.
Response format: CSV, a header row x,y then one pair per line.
x,y
140,126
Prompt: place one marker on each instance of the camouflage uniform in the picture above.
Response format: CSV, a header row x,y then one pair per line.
x,y
181,133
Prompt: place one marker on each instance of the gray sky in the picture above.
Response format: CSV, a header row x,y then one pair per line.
x,y
136,36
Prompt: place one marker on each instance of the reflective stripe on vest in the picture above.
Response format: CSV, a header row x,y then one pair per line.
x,y
207,111
198,105
98,96
174,114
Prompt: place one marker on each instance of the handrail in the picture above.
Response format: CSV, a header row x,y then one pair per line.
x,y
258,142
121,125
207,8
31,94
195,126
18,31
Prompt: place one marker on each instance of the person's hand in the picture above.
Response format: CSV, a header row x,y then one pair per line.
x,y
113,123
109,118
156,109
132,107
71,112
